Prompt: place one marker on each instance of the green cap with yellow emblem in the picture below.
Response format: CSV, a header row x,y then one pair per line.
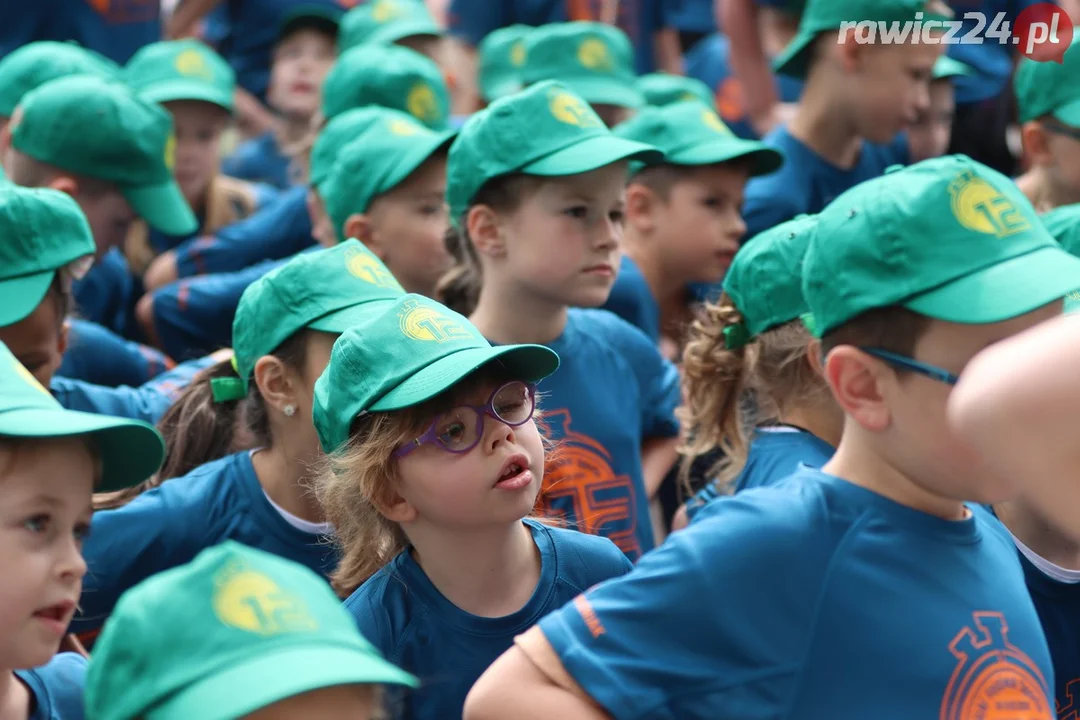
x,y
233,631
339,132
377,161
595,60
181,70
385,21
948,238
502,56
387,76
130,450
103,130
662,89
406,353
544,130
689,133
1064,224
34,64
329,289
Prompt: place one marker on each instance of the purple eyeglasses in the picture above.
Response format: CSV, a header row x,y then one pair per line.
x,y
459,429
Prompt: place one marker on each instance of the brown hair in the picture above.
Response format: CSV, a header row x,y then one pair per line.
x,y
198,430
459,288
774,367
26,171
892,328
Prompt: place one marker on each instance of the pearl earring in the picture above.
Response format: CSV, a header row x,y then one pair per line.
x,y
290,410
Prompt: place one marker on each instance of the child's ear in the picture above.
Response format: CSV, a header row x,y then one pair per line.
x,y
485,231
640,206
847,52
1036,147
275,383
359,226
393,506
65,184
858,386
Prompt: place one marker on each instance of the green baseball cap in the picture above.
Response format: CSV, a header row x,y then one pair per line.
x,y
43,231
407,353
662,89
502,55
765,279
377,162
689,133
946,68
181,70
32,65
339,132
103,130
232,631
544,130
821,16
948,238
329,290
322,18
385,21
387,76
1064,224
1049,88
595,60
130,450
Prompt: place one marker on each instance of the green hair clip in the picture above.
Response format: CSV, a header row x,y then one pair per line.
x,y
736,336
227,389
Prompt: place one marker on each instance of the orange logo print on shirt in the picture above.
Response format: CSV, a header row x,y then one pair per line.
x,y
993,679
1068,708
581,488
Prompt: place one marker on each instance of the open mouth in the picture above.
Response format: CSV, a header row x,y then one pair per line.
x,y
56,616
515,475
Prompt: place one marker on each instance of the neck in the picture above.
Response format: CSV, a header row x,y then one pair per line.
x,y
488,572
817,421
855,464
14,697
283,474
822,126
1040,536
292,129
644,251
511,315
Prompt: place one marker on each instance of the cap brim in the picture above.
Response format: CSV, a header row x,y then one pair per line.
x,y
525,362
1003,291
130,450
341,320
795,58
493,90
174,90
606,91
947,67
1069,113
394,31
763,159
240,689
419,154
21,295
1072,303
163,207
592,153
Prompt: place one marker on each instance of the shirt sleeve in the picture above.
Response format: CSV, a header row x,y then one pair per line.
x,y
97,355
472,20
658,379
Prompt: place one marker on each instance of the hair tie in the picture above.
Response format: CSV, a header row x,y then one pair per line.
x,y
809,323
736,336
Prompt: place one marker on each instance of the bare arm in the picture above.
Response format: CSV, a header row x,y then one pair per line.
x,y
185,19
739,20
1018,404
658,456
667,52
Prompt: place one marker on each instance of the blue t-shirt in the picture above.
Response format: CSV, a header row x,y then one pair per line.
x,y
631,299
147,402
695,16
107,294
280,230
56,687
416,628
806,182
775,453
116,28
612,391
992,60
821,600
97,355
171,524
261,160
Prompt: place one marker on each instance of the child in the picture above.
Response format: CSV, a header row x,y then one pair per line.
x,y
389,76
502,56
285,327
234,633
683,221
302,56
435,461
1048,107
661,89
51,460
594,60
535,187
196,86
856,100
387,190
906,280
754,343
383,22
928,137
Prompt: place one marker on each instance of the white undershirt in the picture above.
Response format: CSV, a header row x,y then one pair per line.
x,y
1052,571
313,528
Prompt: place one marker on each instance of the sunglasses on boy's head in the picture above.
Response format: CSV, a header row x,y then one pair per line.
x,y
459,429
905,363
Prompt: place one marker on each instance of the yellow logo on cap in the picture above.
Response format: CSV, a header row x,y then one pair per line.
x,y
713,121
30,379
385,11
570,109
421,102
368,268
594,54
170,152
403,128
193,64
423,322
517,53
979,206
250,601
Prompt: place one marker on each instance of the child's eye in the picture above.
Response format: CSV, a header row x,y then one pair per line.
x,y
579,212
712,202
37,523
617,216
431,210
82,531
452,432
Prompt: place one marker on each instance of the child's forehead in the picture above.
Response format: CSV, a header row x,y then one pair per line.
x,y
28,472
604,182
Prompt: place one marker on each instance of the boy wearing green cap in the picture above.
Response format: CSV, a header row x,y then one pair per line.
x,y
196,86
928,137
683,221
907,279
266,639
51,462
856,101
1048,108
408,23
